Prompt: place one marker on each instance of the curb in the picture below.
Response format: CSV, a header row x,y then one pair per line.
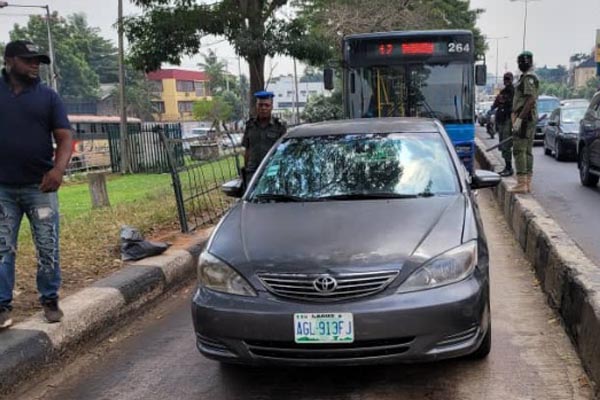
x,y
94,311
570,280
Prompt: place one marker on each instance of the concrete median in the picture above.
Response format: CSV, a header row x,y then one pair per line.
x,y
93,312
570,280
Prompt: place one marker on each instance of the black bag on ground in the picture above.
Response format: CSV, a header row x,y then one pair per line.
x,y
134,247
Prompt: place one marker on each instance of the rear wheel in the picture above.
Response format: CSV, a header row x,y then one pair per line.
x,y
587,179
547,151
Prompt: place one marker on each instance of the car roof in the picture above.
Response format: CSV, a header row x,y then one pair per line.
x,y
365,125
546,97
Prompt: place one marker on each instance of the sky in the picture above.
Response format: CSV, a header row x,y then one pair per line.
x,y
556,29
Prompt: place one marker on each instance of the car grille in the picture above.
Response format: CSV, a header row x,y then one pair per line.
x,y
329,351
347,286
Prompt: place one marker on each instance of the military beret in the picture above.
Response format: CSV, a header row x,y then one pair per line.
x,y
526,53
263,94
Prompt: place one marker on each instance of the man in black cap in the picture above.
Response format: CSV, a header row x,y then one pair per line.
x,y
503,107
261,133
31,171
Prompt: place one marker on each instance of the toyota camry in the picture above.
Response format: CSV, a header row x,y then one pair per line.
x,y
356,242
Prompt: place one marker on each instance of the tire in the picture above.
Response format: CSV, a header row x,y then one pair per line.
x,y
485,347
587,179
558,151
547,151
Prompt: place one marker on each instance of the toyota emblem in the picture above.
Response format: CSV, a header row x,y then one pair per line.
x,y
325,284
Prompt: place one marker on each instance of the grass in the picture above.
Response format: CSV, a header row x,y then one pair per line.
x,y
89,239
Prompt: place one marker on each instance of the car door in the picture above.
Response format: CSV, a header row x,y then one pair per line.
x,y
587,126
595,135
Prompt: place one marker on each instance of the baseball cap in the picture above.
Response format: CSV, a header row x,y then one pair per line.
x,y
25,49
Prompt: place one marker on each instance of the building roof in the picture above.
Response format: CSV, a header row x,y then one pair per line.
x,y
181,74
365,126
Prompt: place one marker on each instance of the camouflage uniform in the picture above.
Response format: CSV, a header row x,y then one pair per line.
x,y
527,86
504,105
258,140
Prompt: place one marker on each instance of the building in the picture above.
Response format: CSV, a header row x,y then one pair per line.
x,y
284,103
584,72
178,89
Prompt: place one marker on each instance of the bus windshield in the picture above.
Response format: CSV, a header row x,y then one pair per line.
x,y
440,90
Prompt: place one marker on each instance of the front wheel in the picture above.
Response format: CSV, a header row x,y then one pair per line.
x,y
559,151
587,179
485,347
547,151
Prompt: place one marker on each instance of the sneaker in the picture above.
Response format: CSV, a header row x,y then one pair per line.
x,y
5,319
52,312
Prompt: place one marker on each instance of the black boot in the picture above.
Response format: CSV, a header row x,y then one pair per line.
x,y
507,171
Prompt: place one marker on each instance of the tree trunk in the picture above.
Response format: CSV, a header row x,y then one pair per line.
x,y
257,79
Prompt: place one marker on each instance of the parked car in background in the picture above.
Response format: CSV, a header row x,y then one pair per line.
x,y
560,133
356,242
588,144
484,109
198,135
545,106
575,102
231,140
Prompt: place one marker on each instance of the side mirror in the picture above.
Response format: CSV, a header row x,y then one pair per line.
x,y
484,179
481,75
552,123
328,78
234,188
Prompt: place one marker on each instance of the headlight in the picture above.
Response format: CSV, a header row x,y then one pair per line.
x,y
214,274
452,266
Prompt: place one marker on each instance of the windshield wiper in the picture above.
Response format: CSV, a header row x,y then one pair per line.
x,y
281,198
373,196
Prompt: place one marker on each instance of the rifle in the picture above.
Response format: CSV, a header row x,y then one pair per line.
x,y
494,147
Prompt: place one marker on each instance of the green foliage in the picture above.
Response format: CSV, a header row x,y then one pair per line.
x,y
168,30
321,108
83,58
330,20
563,91
215,69
311,74
554,75
216,110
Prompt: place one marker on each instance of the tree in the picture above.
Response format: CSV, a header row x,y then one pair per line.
x,y
556,75
330,20
139,93
169,29
311,74
215,69
321,108
83,58
217,110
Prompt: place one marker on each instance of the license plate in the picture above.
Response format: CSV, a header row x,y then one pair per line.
x,y
324,328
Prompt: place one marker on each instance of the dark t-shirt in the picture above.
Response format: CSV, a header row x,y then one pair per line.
x,y
27,121
258,140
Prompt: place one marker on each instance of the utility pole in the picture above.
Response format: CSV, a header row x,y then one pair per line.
x,y
122,105
525,20
243,100
53,76
497,39
296,95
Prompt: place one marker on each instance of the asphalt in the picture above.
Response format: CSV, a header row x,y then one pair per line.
x,y
557,188
156,358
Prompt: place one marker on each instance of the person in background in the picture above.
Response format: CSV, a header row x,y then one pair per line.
x,y
261,133
31,116
524,120
503,105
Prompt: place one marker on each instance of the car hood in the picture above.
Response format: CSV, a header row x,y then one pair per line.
x,y
345,235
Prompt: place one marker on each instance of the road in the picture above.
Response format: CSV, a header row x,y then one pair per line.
x,y
156,358
574,207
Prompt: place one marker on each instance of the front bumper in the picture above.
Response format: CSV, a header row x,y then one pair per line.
x,y
434,324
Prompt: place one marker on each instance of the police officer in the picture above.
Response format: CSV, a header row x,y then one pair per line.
x,y
261,133
524,120
503,105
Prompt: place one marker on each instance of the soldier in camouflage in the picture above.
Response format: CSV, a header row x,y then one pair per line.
x,y
524,120
261,134
503,105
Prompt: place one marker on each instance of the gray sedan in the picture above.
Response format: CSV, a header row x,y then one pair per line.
x,y
356,242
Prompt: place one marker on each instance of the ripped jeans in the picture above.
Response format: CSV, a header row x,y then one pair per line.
x,y
41,210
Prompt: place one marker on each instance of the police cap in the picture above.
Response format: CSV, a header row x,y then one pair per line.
x,y
263,94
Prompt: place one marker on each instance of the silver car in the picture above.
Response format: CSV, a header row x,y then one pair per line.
x,y
356,242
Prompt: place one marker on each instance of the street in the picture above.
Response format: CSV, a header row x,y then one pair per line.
x,y
156,358
557,188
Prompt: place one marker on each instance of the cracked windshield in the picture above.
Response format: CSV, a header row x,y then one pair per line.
x,y
433,91
357,166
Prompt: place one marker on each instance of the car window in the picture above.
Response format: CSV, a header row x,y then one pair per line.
x,y
572,115
322,166
546,106
555,115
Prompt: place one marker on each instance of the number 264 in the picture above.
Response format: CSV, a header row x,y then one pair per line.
x,y
459,48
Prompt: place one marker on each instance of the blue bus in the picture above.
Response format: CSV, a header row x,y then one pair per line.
x,y
428,74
